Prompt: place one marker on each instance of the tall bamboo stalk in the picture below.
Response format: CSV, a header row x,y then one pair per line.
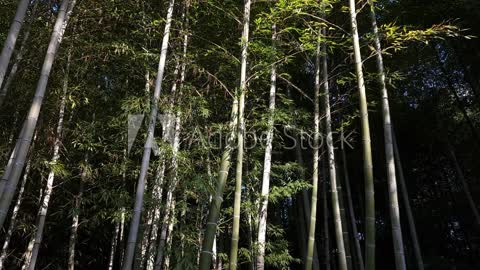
x,y
240,138
6,86
316,145
169,215
206,252
137,209
42,212
367,150
267,164
146,230
389,156
342,259
3,92
32,118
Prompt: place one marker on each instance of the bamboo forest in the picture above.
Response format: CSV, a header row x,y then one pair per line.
x,y
239,134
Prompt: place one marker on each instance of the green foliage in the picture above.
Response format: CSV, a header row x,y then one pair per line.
x,y
278,253
399,37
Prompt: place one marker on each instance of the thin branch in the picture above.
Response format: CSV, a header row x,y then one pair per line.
x,y
216,79
295,87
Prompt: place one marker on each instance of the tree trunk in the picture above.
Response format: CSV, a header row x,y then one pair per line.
x,y
367,151
32,118
18,58
387,129
240,138
137,210
351,213
262,219
342,259
42,212
406,202
12,36
75,219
